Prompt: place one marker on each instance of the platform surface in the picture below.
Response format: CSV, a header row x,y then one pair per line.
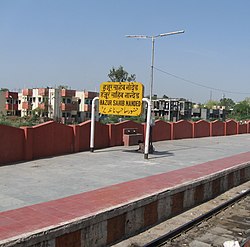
x,y
52,178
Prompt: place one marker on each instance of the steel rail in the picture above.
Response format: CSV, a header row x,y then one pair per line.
x,y
172,234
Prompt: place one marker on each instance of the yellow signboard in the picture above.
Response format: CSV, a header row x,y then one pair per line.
x,y
121,98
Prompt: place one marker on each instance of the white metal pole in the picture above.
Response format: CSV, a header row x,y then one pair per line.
x,y
146,150
152,70
92,126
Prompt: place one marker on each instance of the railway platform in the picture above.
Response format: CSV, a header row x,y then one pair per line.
x,y
97,199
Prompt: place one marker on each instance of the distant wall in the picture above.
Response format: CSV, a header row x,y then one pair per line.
x,y
217,128
84,136
101,135
182,129
161,131
201,129
116,131
52,139
11,144
242,128
231,127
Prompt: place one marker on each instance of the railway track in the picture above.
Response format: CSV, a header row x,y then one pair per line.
x,y
224,218
229,221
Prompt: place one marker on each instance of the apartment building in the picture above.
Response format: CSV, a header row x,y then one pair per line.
x,y
9,103
172,109
62,105
85,102
210,114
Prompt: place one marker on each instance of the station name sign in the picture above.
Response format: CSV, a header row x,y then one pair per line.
x,y
121,98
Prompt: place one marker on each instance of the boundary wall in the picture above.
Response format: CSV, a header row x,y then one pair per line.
x,y
98,218
53,139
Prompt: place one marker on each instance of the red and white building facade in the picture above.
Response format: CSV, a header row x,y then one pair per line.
x,y
62,105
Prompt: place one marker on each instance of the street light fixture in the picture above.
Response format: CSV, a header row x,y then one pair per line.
x,y
153,37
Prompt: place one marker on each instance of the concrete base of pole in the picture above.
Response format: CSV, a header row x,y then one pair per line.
x,y
146,156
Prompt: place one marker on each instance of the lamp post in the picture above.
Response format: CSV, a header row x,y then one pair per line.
x,y
153,37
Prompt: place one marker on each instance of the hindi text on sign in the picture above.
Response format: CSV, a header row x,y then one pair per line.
x,y
121,98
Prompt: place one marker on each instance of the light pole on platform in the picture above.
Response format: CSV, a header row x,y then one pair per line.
x,y
153,37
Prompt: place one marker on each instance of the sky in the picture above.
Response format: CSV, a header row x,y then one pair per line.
x,y
76,43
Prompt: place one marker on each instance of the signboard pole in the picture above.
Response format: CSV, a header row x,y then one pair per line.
x,y
146,151
92,126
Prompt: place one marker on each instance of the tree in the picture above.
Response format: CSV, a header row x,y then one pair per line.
x,y
241,110
211,104
120,75
227,102
63,87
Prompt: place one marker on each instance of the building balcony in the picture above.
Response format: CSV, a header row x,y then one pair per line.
x,y
43,106
10,107
90,95
69,107
26,105
27,92
87,107
43,91
9,94
68,93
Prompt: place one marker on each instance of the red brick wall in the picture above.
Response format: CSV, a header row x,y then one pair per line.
x,y
217,128
161,131
231,127
201,129
116,131
242,128
101,135
11,144
182,129
84,136
52,138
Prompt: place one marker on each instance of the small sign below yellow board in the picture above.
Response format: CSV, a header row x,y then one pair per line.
x,y
121,98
